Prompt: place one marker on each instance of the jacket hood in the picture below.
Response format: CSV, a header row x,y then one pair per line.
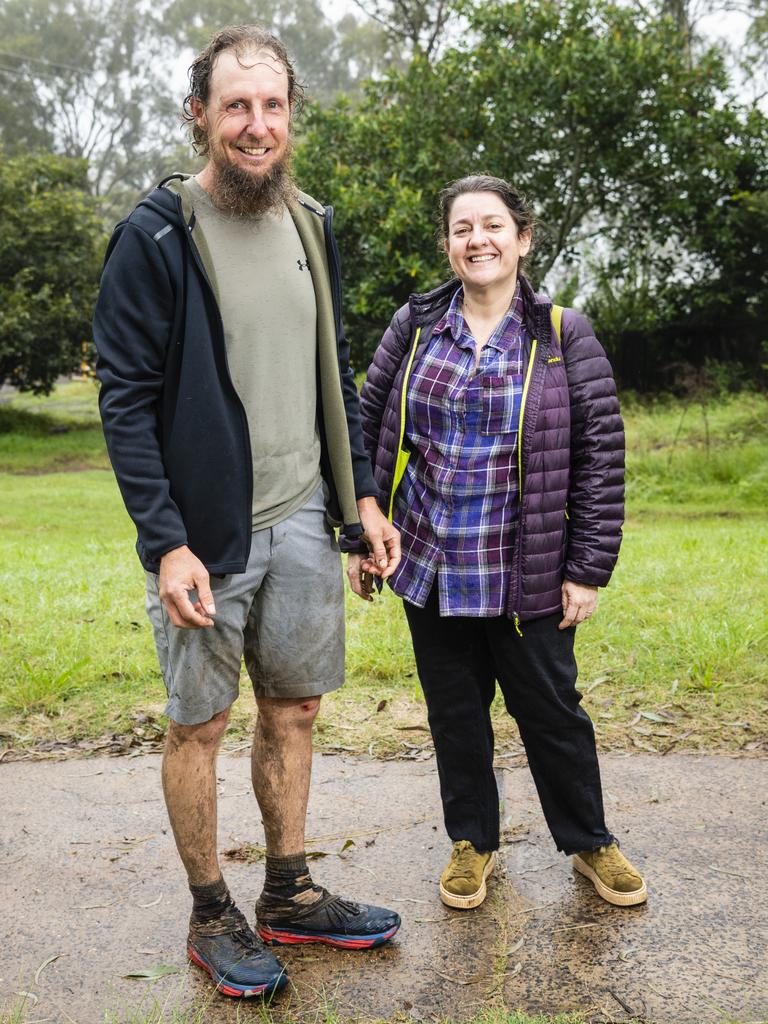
x,y
167,200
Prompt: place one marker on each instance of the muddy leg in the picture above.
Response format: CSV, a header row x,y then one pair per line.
x,y
189,784
281,766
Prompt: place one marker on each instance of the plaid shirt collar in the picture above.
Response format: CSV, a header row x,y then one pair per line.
x,y
453,322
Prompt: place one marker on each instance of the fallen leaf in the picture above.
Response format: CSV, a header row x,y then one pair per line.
x,y
146,906
45,963
317,854
153,973
597,682
28,995
514,949
652,716
515,970
575,927
347,846
381,705
460,981
644,746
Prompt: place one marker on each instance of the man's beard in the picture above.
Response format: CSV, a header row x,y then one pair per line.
x,y
243,194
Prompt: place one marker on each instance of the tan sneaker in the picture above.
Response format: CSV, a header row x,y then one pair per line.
x,y
612,875
462,884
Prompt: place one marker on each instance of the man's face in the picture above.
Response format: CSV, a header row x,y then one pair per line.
x,y
247,116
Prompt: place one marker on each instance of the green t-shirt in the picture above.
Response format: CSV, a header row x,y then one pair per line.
x,y
267,302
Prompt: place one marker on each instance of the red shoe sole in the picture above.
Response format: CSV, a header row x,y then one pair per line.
x,y
284,936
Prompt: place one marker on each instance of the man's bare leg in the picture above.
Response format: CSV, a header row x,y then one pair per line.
x,y
281,768
189,785
220,939
291,907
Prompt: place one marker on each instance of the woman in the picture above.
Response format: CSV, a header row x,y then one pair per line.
x,y
499,451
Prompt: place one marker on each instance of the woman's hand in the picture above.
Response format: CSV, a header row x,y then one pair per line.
x,y
579,603
360,580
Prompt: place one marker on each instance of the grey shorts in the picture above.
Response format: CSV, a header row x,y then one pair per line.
x,y
284,615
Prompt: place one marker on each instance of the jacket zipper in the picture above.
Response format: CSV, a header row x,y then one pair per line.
x,y
526,385
403,455
334,265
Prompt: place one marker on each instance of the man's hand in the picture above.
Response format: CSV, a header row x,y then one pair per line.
x,y
382,538
180,572
579,602
360,581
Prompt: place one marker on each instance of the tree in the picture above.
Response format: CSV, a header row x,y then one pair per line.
x,y
87,79
594,110
50,238
330,57
419,26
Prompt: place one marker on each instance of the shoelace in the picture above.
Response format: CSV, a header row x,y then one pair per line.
x,y
245,938
614,860
461,860
337,908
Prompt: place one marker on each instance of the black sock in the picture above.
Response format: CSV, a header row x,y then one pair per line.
x,y
287,882
210,901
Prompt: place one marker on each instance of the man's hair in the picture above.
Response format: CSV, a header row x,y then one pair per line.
x,y
240,39
514,201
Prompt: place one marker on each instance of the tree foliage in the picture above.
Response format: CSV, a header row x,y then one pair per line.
x,y
49,266
88,79
418,26
623,140
331,57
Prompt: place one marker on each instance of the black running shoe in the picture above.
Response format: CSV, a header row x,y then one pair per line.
x,y
234,957
330,920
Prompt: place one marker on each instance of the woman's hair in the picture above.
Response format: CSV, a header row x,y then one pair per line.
x,y
241,39
514,201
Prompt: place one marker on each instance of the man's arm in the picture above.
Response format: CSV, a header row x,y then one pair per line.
x,y
132,329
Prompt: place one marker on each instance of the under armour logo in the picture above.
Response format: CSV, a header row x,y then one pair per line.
x,y
303,264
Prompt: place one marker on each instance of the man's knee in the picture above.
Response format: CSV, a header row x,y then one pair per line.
x,y
206,734
278,716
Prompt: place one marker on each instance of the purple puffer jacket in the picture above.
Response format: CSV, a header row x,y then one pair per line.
x,y
572,445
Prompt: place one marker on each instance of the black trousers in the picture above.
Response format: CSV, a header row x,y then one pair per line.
x,y
459,661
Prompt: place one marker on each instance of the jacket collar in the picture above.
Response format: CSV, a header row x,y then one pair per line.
x,y
428,307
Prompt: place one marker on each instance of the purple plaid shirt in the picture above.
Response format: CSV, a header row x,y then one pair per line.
x,y
457,505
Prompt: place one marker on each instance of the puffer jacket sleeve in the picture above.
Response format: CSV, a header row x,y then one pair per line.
x,y
596,496
377,389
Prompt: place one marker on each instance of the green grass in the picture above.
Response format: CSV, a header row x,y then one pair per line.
x,y
698,460
676,657
62,431
163,1011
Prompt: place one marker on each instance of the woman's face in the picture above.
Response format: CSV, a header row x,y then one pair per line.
x,y
483,245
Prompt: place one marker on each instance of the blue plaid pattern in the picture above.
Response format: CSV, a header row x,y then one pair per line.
x,y
457,505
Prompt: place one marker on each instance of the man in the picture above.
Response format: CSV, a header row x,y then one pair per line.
x,y
232,423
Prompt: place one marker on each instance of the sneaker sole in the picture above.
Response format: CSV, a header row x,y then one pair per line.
x,y
230,988
474,899
295,936
619,899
